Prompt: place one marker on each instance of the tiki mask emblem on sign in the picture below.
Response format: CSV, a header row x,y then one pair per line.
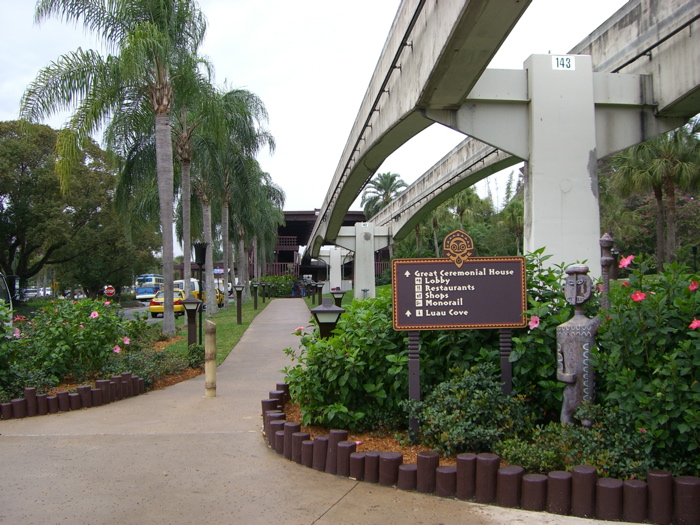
x,y
457,246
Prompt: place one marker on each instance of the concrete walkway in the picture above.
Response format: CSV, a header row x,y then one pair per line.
x,y
175,457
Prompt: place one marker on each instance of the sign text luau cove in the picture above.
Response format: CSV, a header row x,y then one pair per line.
x,y
459,291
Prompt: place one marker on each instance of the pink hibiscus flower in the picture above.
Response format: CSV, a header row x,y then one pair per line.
x,y
625,261
693,286
638,296
94,315
695,324
534,322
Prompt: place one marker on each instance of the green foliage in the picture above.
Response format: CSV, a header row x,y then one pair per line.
x,y
648,362
356,378
279,285
148,364
195,356
612,445
468,413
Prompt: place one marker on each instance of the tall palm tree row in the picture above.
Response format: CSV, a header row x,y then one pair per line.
x,y
150,40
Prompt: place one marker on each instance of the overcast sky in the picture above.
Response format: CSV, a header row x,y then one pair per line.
x,y
310,61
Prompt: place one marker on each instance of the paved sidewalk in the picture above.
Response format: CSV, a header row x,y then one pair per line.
x,y
175,457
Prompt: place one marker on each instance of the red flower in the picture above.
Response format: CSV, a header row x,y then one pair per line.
x,y
693,286
626,283
625,261
638,296
695,324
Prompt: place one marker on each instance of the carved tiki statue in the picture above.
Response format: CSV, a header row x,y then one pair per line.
x,y
575,338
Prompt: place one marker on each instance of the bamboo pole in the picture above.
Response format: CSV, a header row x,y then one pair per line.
x,y
210,360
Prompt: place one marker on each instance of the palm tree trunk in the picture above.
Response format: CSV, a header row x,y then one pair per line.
x,y
660,223
186,226
670,192
225,242
212,307
164,167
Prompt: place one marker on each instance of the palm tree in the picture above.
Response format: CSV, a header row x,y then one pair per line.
x,y
152,39
380,191
661,164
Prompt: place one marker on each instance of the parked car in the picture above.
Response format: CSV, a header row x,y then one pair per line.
x,y
156,304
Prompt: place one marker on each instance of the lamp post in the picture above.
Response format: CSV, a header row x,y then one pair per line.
x,y
319,289
191,305
255,295
311,287
263,285
239,291
200,258
326,316
338,296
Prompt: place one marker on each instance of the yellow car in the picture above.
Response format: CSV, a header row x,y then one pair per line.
x,y
156,304
219,298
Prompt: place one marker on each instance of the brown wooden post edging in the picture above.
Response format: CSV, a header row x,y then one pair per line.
x,y
372,466
608,499
408,473
270,416
307,453
290,428
320,452
74,401
486,471
42,405
534,495
278,395
466,476
96,394
634,501
6,410
279,442
85,396
117,380
427,461
275,426
19,408
63,401
344,449
660,494
284,387
30,396
583,490
686,500
389,468
508,485
53,404
269,404
297,439
559,492
446,481
126,388
357,466
335,436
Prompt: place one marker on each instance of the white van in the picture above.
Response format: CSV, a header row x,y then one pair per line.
x,y
194,286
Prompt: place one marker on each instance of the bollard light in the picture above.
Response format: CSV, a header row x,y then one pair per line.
x,y
338,296
319,290
254,284
191,305
327,316
239,291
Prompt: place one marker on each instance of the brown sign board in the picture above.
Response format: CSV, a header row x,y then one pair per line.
x,y
436,294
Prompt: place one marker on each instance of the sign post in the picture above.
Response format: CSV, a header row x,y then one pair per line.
x,y
455,293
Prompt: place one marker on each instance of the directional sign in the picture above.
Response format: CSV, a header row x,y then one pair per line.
x,y
436,294
109,290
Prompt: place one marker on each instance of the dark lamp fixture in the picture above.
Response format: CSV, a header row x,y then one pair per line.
x,y
254,284
338,296
239,287
200,252
326,315
191,304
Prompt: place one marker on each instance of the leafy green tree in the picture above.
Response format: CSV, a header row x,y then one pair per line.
x,y
153,40
662,165
380,191
40,225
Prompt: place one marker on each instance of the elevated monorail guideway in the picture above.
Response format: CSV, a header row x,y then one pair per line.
x,y
433,56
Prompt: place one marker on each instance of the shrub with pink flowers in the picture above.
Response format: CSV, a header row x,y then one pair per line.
x,y
648,361
66,339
